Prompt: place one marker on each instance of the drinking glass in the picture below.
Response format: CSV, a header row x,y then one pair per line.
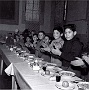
x,y
58,78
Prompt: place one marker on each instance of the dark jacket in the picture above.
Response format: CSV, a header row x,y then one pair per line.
x,y
71,49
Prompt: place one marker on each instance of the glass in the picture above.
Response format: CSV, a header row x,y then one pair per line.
x,y
84,71
58,78
44,68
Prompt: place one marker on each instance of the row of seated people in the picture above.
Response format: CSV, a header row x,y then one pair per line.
x,y
65,52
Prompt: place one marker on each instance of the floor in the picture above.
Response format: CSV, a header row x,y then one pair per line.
x,y
5,81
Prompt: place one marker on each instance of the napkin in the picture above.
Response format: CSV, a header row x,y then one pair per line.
x,y
9,70
77,62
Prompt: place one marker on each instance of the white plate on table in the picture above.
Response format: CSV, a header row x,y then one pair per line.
x,y
57,69
67,73
42,72
72,86
45,75
18,48
84,85
50,65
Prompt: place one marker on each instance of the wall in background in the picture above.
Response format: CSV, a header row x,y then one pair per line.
x,y
77,14
20,26
47,16
51,15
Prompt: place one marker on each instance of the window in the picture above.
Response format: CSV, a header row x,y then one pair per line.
x,y
32,10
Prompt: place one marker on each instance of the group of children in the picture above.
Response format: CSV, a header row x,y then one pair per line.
x,y
62,50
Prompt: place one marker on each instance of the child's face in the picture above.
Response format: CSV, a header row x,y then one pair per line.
x,y
28,39
16,31
21,36
40,36
56,34
32,32
17,38
46,39
35,38
69,34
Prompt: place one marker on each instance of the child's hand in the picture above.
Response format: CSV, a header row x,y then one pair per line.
x,y
42,50
31,45
26,45
56,51
77,62
57,46
46,49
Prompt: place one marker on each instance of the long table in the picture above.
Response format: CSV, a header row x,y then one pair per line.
x,y
29,79
23,73
8,57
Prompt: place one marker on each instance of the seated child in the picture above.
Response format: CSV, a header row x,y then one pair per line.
x,y
16,40
46,43
16,33
10,40
34,43
28,44
34,40
21,41
83,64
56,43
41,36
72,46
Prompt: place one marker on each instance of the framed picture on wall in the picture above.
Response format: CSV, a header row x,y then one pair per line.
x,y
9,12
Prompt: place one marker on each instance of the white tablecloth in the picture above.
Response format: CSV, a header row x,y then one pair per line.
x,y
29,79
23,73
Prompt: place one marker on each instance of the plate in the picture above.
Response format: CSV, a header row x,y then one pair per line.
x,y
57,69
18,48
67,73
45,75
31,55
51,64
50,67
84,85
71,86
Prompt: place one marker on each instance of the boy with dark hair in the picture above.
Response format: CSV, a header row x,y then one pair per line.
x,y
72,47
41,35
56,43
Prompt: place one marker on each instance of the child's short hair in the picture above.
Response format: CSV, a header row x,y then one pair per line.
x,y
35,34
70,26
48,36
41,32
59,28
